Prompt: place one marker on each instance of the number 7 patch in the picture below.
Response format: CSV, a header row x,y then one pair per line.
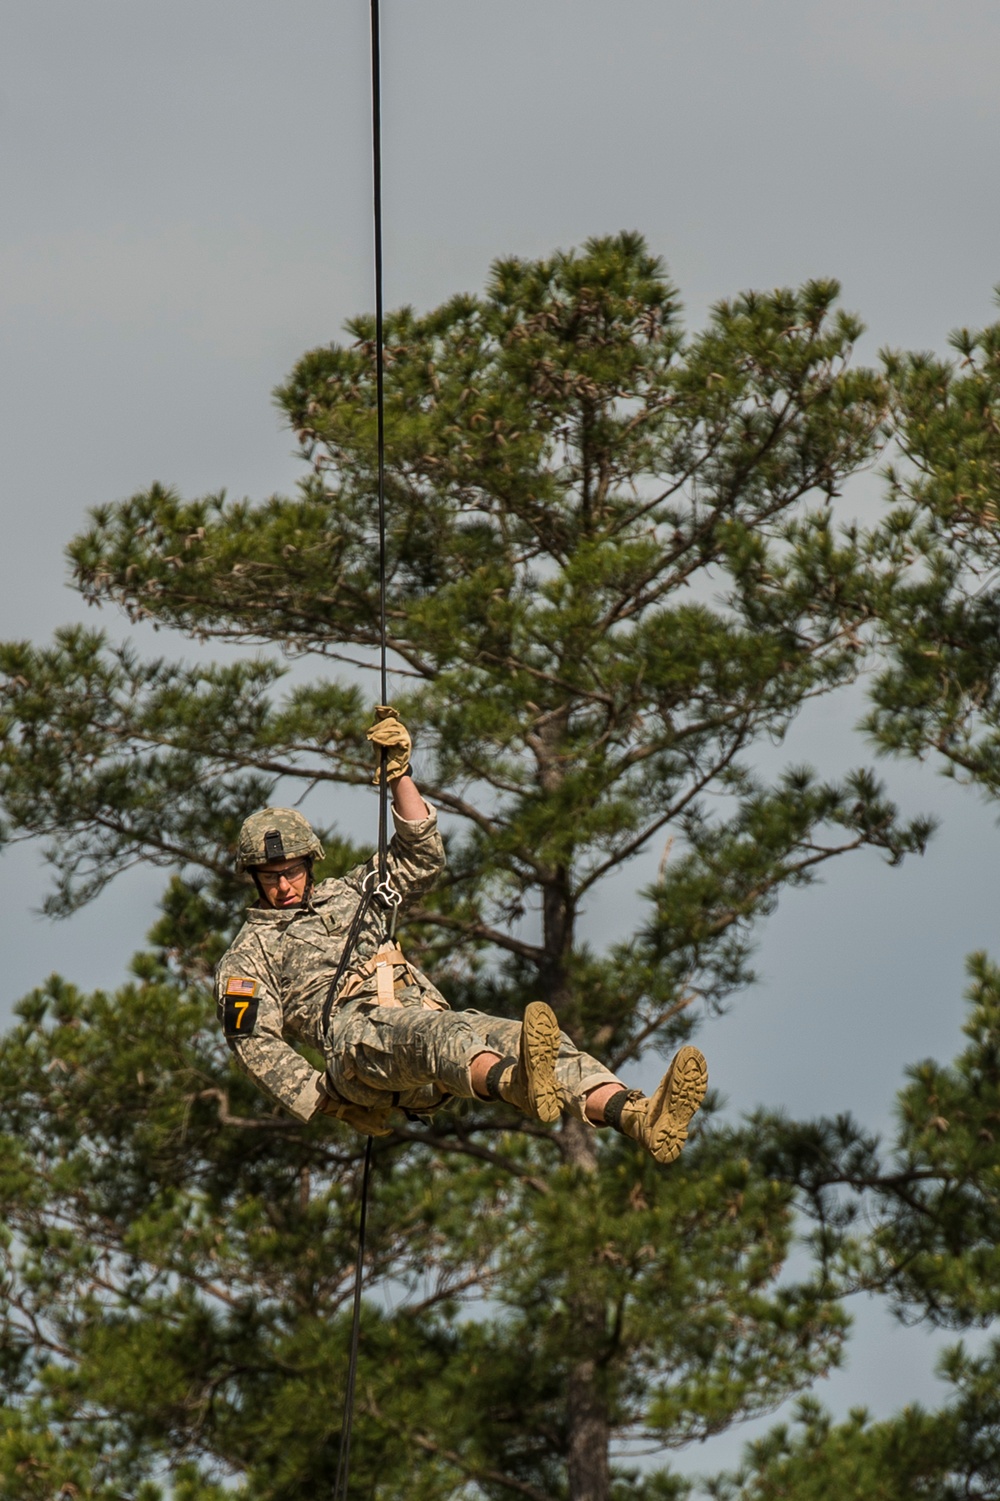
x,y
239,1016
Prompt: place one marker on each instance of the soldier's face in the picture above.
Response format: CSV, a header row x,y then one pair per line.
x,y
284,882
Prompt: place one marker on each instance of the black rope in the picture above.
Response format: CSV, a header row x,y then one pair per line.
x,y
352,938
383,802
344,1458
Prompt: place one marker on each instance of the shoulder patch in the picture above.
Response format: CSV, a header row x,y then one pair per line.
x,y
239,1015
237,986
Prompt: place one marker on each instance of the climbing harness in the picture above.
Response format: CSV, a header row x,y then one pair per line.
x,y
381,890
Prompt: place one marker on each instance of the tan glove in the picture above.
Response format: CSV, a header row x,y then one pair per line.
x,y
367,1122
389,730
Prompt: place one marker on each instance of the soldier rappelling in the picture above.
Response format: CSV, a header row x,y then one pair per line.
x,y
389,1037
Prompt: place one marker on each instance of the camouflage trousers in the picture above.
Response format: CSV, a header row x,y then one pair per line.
x,y
422,1056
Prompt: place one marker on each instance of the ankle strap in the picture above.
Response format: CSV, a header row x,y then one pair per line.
x,y
613,1109
495,1074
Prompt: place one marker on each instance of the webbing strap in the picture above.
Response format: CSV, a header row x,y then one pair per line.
x,y
382,966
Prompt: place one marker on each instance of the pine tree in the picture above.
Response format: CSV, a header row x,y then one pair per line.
x,y
614,572
917,1222
927,1201
938,693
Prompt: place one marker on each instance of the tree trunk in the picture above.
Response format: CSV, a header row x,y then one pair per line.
x,y
588,1425
558,920
589,1436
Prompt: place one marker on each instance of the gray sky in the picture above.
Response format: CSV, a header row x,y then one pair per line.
x,y
186,208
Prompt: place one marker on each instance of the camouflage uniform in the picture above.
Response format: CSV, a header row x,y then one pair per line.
x,y
271,986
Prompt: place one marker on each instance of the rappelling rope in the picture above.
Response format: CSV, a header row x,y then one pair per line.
x,y
383,801
344,1456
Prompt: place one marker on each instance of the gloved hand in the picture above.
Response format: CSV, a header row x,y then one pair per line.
x,y
389,730
367,1122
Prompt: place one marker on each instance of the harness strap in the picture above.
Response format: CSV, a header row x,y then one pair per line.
x,y
381,965
333,993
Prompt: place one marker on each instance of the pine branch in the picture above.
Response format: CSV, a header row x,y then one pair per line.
x,y
634,1047
469,1149
480,932
473,1472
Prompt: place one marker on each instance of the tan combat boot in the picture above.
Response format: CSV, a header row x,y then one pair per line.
x,y
529,1081
660,1123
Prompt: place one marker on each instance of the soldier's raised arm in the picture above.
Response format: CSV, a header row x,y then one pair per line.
x,y
416,853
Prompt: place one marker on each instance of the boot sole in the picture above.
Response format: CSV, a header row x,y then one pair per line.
x,y
540,1039
684,1091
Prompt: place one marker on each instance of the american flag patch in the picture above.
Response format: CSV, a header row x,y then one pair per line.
x,y
237,986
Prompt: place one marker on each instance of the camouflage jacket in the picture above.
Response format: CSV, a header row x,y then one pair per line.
x,y
272,983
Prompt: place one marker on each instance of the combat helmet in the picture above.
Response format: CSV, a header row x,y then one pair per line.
x,y
275,834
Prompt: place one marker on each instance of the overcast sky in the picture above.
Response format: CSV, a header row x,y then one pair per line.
x,y
186,208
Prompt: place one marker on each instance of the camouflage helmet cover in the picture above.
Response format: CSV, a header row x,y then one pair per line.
x,y
275,834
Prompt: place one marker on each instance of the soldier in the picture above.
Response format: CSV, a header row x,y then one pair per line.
x,y
392,1039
